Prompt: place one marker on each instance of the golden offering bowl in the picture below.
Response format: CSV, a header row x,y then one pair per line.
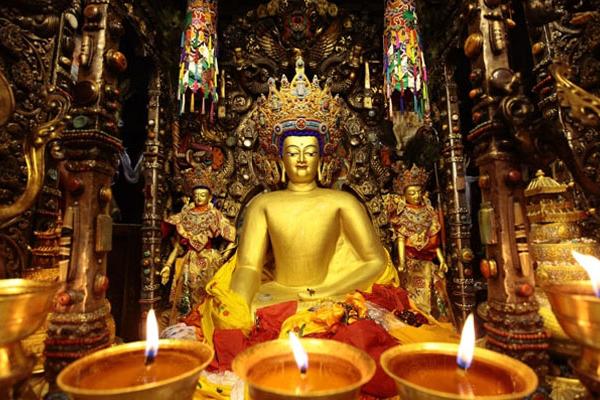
x,y
24,305
336,371
428,371
119,372
578,312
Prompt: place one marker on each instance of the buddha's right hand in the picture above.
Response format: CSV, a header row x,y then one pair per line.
x,y
245,282
165,273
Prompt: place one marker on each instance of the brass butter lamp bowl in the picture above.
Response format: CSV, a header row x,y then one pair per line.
x,y
24,305
428,371
336,371
119,372
578,312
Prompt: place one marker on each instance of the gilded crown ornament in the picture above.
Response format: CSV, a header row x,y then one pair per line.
x,y
300,106
416,176
543,184
547,202
203,177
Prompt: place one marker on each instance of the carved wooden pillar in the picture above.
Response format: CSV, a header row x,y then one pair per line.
x,y
513,325
154,161
566,32
82,323
457,212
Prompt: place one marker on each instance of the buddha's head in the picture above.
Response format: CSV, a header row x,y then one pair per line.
x,y
413,195
201,196
300,155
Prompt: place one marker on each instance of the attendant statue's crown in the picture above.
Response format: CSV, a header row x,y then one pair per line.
x,y
298,107
416,176
203,177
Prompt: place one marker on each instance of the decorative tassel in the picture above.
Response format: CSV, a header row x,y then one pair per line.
x,y
404,61
198,63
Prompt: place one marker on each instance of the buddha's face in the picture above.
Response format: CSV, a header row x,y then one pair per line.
x,y
413,195
301,158
201,196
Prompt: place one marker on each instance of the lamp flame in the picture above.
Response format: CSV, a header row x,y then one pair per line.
x,y
467,344
151,337
592,266
299,353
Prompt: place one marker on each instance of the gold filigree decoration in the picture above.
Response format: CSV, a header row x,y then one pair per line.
x,y
7,100
585,107
299,105
34,149
415,176
213,179
543,184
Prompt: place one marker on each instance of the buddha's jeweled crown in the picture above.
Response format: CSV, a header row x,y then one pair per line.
x,y
299,105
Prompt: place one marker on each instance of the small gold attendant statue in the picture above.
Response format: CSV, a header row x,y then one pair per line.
x,y
416,230
198,225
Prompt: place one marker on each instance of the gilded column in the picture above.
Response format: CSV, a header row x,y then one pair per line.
x,y
513,325
457,212
154,162
565,32
81,322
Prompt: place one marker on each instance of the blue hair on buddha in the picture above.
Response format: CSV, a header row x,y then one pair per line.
x,y
300,133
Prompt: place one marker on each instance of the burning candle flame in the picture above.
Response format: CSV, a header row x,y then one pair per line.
x,y
151,337
592,266
299,353
467,344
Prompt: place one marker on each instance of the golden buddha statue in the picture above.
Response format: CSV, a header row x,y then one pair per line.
x,y
415,228
305,247
322,242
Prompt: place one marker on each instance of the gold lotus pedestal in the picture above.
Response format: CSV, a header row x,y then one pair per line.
x,y
24,305
578,312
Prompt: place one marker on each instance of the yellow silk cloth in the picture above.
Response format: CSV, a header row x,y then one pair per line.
x,y
326,315
225,309
206,389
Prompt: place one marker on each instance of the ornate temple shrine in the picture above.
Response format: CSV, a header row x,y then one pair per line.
x,y
211,199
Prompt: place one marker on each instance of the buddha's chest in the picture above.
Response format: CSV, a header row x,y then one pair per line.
x,y
309,220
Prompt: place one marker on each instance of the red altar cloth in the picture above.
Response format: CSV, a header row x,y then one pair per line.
x,y
364,334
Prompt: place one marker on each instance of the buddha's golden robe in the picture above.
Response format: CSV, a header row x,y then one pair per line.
x,y
322,241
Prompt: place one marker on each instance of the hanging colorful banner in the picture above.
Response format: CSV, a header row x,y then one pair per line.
x,y
198,69
403,59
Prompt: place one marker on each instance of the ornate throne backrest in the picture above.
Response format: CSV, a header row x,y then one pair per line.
x,y
258,51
